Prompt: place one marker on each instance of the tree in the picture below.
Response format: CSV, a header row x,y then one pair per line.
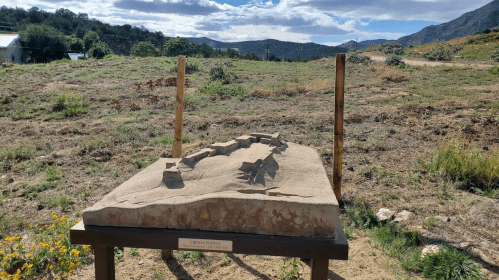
x,y
144,49
251,56
232,53
77,45
99,50
43,43
90,38
177,46
203,49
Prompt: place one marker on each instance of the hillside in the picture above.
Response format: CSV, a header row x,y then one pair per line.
x,y
470,23
281,49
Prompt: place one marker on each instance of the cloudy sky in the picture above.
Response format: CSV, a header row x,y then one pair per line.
x,y
328,22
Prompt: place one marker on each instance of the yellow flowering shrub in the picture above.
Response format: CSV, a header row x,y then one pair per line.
x,y
53,254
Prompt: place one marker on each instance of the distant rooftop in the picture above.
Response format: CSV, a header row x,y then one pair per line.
x,y
7,39
76,56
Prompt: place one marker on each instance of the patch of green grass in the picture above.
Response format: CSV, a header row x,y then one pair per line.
x,y
192,255
226,260
460,163
63,201
9,221
134,252
53,173
360,214
217,88
67,104
32,191
449,263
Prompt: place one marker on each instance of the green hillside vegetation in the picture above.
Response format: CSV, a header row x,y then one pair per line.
x,y
477,48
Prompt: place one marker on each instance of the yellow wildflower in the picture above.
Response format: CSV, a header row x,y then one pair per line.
x,y
52,249
61,235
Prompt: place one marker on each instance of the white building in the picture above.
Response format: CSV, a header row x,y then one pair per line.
x,y
11,49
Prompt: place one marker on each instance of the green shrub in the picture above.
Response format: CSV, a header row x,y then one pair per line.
x,y
440,53
390,47
450,263
360,214
219,72
394,60
494,70
495,56
53,173
144,49
355,57
220,89
99,50
456,162
67,104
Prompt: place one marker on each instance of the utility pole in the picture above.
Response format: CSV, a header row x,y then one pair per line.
x,y
266,56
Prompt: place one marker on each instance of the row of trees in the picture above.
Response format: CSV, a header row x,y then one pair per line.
x,y
43,43
119,38
181,46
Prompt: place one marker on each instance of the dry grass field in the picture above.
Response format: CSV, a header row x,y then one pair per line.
x,y
72,131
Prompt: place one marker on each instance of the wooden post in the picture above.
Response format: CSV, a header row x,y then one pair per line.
x,y
104,262
179,111
339,89
179,122
320,269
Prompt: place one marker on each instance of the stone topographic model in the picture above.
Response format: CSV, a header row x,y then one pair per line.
x,y
253,184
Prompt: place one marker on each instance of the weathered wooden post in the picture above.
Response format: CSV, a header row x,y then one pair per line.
x,y
339,89
179,111
179,121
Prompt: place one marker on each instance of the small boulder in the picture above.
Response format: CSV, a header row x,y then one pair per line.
x,y
385,214
403,216
430,249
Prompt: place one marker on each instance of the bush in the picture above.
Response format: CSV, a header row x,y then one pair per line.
x,y
393,60
219,72
144,49
494,70
495,56
450,263
219,89
391,47
99,50
440,53
355,57
77,45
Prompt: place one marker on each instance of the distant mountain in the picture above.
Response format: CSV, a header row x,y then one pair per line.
x,y
280,49
361,45
467,24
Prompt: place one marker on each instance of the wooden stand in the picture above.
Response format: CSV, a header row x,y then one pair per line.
x,y
104,239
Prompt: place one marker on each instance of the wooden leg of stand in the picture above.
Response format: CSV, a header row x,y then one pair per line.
x,y
166,254
319,269
104,263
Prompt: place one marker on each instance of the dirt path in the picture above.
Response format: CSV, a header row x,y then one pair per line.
x,y
417,62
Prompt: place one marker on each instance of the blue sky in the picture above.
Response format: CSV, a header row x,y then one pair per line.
x,y
329,22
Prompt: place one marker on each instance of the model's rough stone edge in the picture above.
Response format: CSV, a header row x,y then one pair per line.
x,y
218,214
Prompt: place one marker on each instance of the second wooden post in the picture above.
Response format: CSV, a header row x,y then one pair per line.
x,y
339,89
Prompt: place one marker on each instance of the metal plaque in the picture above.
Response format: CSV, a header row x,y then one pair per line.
x,y
204,244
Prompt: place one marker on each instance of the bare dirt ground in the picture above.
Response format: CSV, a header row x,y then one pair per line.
x,y
393,118
421,62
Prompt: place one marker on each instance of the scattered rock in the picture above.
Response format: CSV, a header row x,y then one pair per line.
x,y
430,249
403,216
385,214
442,218
141,262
